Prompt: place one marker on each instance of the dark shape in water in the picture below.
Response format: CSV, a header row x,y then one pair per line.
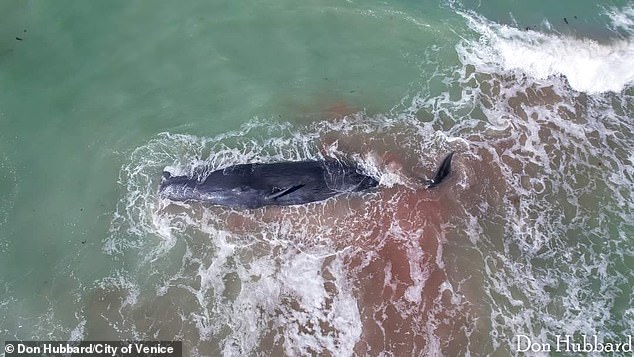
x,y
443,171
277,184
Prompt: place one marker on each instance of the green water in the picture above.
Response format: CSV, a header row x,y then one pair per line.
x,y
90,82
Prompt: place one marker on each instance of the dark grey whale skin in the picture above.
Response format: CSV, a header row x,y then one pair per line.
x,y
249,186
258,185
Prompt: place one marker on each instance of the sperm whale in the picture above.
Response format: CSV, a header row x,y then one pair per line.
x,y
287,183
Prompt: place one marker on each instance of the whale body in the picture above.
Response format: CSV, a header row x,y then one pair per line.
x,y
276,184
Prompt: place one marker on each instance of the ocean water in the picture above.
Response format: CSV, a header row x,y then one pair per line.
x,y
532,234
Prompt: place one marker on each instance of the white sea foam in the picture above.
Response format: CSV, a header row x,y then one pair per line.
x,y
589,66
122,281
622,18
77,334
302,276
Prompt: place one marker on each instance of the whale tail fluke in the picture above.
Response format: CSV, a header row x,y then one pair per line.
x,y
444,169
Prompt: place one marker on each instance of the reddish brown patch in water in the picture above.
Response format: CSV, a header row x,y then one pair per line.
x,y
390,242
339,110
324,109
397,277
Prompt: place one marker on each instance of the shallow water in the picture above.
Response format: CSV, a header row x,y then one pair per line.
x,y
532,234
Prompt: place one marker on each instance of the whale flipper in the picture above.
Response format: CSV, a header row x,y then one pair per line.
x,y
278,194
443,171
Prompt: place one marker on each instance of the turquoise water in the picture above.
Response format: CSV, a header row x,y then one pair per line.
x,y
533,235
